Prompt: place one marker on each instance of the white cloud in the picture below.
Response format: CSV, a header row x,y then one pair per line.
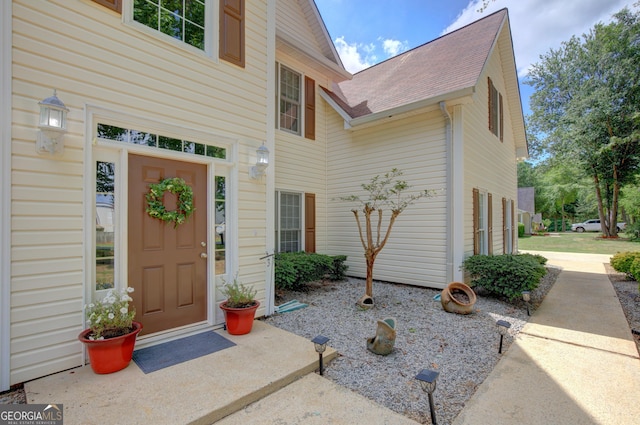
x,y
356,56
351,57
539,25
394,47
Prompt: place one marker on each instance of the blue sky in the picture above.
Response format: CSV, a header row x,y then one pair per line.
x,y
366,32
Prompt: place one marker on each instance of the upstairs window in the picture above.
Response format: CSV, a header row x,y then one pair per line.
x,y
290,94
496,122
291,107
183,20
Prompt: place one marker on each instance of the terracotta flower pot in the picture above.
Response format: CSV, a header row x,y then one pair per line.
x,y
457,297
239,320
112,354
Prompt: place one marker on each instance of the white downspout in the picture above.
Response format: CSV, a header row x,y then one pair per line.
x,y
449,202
270,143
5,194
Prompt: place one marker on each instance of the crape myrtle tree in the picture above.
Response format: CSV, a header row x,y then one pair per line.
x,y
586,107
385,193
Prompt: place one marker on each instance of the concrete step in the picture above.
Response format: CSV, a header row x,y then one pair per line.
x,y
200,391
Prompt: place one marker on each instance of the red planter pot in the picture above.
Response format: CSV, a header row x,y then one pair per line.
x,y
239,320
113,354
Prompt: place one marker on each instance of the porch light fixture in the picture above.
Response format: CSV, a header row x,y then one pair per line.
x,y
262,162
503,328
52,125
427,380
320,344
526,297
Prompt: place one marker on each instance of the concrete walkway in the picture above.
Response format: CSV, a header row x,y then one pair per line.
x,y
575,362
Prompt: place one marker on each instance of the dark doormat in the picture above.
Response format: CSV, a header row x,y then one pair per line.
x,y
180,350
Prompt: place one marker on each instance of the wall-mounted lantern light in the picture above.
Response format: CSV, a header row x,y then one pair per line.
x,y
52,125
262,162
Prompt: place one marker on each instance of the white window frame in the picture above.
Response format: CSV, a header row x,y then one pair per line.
x,y
301,100
509,226
301,238
211,33
483,223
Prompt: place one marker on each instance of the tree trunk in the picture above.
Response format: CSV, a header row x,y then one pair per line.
x,y
613,226
603,226
371,258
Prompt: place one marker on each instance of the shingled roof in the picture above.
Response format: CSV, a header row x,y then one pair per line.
x,y
443,66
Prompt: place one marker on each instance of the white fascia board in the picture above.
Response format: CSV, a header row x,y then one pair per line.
x,y
337,72
461,96
346,117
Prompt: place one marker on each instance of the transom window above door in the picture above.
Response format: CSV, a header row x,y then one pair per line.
x,y
137,137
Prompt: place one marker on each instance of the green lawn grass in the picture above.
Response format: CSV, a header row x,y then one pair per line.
x,y
589,243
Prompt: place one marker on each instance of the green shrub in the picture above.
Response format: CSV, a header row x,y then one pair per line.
x,y
632,231
339,269
293,270
505,275
634,271
520,230
622,262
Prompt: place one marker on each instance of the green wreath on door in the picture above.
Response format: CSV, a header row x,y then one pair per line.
x,y
156,208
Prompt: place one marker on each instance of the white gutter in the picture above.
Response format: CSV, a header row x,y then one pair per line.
x,y
449,202
469,91
5,194
337,108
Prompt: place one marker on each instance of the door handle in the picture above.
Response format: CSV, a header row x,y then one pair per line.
x,y
203,255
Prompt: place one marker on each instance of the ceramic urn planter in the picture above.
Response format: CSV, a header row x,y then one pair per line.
x,y
458,297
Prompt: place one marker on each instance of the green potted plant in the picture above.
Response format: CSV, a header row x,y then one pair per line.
x,y
240,307
112,332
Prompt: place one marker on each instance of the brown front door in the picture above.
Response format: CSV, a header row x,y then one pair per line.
x,y
165,265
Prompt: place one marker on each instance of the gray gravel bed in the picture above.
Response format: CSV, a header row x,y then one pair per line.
x,y
463,348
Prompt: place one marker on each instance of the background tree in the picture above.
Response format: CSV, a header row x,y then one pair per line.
x,y
586,107
385,192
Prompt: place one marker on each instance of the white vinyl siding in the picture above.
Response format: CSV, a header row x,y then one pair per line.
x,y
117,68
416,250
291,18
482,151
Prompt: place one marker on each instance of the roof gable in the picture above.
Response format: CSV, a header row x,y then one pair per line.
x,y
446,65
301,33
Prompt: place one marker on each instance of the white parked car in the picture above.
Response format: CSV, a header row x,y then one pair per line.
x,y
593,226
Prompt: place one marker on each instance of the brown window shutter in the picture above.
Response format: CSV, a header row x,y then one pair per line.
x,y
476,217
309,108
232,31
310,222
504,226
489,106
501,121
514,227
115,5
489,224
